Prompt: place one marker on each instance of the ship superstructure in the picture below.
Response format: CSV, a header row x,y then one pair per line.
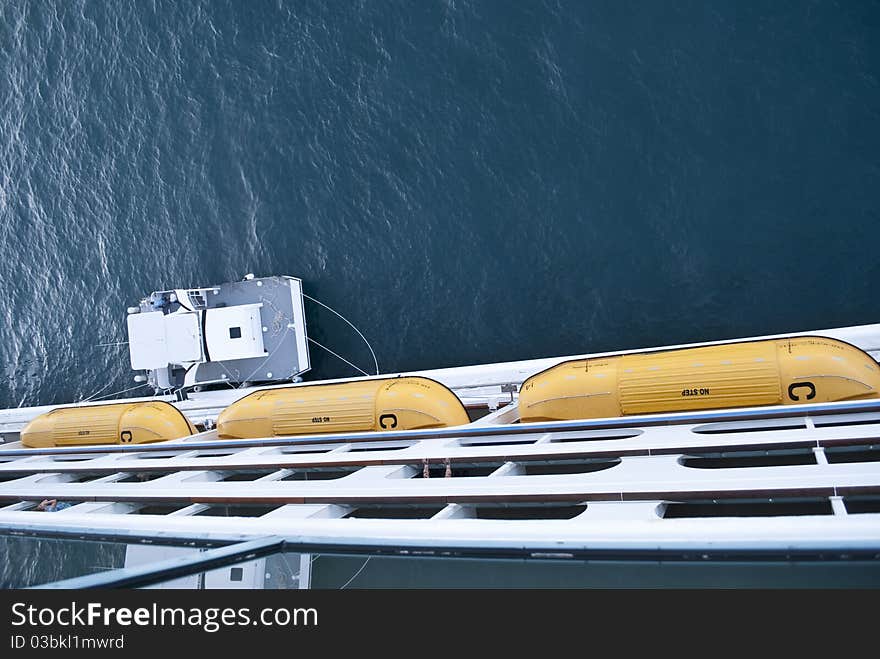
x,y
783,483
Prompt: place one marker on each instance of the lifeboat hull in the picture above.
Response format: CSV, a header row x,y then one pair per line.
x,y
804,369
403,403
116,423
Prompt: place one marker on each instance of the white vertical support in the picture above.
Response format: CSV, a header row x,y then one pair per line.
x,y
456,511
305,571
193,509
506,414
508,469
21,505
821,458
275,476
838,506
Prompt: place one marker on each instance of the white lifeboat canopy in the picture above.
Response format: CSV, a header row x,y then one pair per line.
x,y
156,339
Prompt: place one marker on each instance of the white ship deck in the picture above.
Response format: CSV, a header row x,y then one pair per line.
x,y
781,481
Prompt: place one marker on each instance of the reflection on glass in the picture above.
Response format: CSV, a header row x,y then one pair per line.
x,y
347,571
283,570
26,562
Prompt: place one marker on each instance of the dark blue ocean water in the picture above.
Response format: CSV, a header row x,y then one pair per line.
x,y
467,181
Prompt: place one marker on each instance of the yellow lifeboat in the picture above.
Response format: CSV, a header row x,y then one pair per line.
x,y
115,423
804,369
402,403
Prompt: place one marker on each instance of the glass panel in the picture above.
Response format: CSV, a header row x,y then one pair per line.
x,y
335,571
26,562
30,561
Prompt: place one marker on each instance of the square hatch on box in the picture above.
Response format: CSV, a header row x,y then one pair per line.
x,y
234,332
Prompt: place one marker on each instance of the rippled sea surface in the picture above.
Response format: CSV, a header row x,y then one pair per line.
x,y
467,182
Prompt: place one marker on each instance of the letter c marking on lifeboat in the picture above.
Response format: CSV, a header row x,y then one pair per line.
x,y
125,436
796,385
389,417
